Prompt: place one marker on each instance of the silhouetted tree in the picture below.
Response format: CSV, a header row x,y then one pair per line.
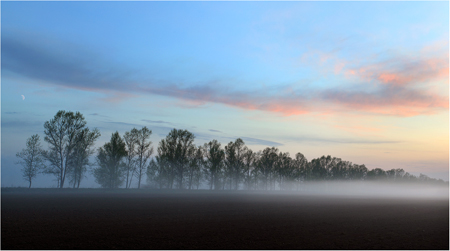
x,y
234,155
249,159
157,171
423,177
130,139
32,159
79,158
166,161
61,133
357,172
395,174
318,172
376,174
214,162
110,171
286,170
300,168
409,177
341,170
174,151
265,165
321,168
143,152
195,167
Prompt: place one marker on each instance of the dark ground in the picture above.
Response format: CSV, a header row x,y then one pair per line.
x,y
101,219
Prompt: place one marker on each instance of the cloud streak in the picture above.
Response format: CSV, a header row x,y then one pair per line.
x,y
255,141
403,71
156,121
343,140
395,83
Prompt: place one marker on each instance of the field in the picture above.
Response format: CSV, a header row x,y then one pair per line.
x,y
148,219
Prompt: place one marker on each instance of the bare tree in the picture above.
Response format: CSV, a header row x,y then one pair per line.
x,y
130,139
301,168
285,169
249,159
143,152
234,162
266,162
158,170
32,159
61,133
214,162
79,159
195,167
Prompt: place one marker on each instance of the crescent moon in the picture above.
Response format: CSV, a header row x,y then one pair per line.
x,y
23,97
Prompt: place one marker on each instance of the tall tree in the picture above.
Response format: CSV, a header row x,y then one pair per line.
x,y
110,170
357,172
234,162
340,171
266,163
214,162
31,159
157,172
321,167
61,133
395,174
301,168
143,152
174,151
79,158
249,160
376,174
130,139
229,162
286,170
195,167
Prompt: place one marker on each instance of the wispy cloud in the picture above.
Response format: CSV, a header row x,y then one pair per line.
x,y
389,100
212,130
124,124
156,121
161,131
99,115
395,83
343,140
402,70
21,124
255,141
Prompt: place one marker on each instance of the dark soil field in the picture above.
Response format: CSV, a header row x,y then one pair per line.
x,y
146,219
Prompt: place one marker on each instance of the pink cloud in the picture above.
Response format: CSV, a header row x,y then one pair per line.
x,y
404,71
397,101
398,84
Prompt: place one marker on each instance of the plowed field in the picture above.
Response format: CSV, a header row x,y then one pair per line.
x,y
102,219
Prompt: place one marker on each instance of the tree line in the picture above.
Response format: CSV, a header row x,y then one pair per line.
x,y
178,162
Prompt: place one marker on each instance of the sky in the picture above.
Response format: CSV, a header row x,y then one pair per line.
x,y
367,82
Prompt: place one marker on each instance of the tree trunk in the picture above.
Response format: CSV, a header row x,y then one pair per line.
x,y
139,178
131,179
212,181
190,180
128,174
181,178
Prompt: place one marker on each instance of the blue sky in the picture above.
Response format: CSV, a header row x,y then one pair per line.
x,y
364,81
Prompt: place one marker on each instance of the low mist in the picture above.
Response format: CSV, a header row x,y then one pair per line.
x,y
371,189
